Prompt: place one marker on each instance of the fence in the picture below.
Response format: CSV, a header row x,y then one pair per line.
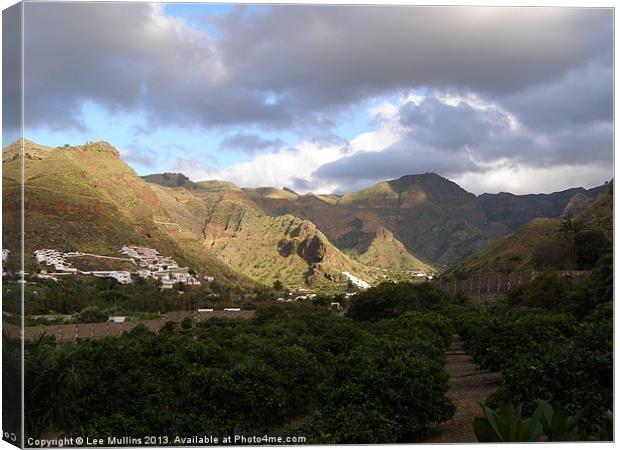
x,y
488,287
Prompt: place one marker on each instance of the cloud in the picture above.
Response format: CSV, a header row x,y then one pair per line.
x,y
139,154
249,143
490,92
456,136
452,127
290,167
316,57
528,180
129,58
288,66
581,96
464,138
406,157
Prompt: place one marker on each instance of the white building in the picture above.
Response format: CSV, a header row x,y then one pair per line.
x,y
151,262
356,281
117,319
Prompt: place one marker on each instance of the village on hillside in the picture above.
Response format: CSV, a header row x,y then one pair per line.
x,y
148,262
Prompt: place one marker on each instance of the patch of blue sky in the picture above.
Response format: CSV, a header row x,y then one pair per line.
x,y
360,119
10,136
352,123
155,148
198,14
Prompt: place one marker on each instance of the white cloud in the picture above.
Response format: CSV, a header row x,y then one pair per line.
x,y
531,180
287,167
194,169
479,144
294,167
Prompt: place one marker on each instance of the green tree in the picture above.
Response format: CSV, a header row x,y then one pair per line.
x,y
92,314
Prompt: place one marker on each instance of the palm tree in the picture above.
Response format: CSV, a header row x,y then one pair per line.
x,y
569,229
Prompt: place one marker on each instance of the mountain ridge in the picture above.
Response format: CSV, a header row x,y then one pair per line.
x,y
435,219
87,197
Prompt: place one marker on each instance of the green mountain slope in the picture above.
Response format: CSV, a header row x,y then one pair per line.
x,y
434,219
85,198
514,252
264,247
387,252
600,214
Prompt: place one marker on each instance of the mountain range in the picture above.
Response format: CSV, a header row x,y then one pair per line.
x,y
86,198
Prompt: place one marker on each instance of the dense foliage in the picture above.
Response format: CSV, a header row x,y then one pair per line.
x,y
374,375
313,374
560,352
393,299
556,293
72,294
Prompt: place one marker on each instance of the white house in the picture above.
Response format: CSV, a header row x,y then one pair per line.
x,y
356,281
117,319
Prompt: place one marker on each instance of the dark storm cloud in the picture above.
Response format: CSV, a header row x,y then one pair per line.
x,y
249,143
129,57
581,96
321,57
543,76
11,72
406,157
452,139
449,127
291,66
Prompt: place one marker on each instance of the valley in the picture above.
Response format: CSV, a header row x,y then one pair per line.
x,y
288,302
87,199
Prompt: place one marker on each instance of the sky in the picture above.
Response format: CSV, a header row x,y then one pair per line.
x,y
328,98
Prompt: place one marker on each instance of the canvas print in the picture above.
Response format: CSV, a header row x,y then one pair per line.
x,y
246,224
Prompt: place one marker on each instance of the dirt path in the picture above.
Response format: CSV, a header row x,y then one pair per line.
x,y
468,385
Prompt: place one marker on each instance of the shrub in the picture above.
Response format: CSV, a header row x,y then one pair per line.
x,y
92,314
186,323
494,341
548,356
389,300
548,290
355,382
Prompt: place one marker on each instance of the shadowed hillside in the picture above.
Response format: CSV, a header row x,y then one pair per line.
x,y
514,211
571,243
